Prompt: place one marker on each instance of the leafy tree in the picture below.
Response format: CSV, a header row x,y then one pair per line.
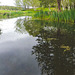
x,y
69,4
21,3
47,3
35,3
27,3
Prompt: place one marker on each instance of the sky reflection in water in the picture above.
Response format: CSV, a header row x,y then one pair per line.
x,y
15,50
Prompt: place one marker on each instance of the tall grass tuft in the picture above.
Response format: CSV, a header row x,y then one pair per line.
x,y
64,16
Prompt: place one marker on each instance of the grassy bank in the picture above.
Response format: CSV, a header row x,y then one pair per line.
x,y
42,13
16,13
13,13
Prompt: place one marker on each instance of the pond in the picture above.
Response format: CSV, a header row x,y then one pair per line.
x,y
36,47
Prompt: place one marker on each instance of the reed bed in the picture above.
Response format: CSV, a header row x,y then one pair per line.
x,y
64,16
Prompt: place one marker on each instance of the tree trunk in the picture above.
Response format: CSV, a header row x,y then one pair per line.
x,y
74,8
74,5
59,5
24,7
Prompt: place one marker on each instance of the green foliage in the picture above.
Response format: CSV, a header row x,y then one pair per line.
x,y
64,16
47,3
15,14
68,4
9,14
44,9
27,3
41,14
34,3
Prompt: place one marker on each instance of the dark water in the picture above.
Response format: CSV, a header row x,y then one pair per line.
x,y
36,47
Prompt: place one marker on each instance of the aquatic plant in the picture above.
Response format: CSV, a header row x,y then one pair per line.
x,y
64,16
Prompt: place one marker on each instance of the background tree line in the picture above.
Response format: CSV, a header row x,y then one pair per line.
x,y
27,3
10,8
65,4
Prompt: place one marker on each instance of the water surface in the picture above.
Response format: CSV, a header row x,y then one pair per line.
x,y
15,50
36,47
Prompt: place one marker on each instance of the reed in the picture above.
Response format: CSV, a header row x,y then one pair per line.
x,y
64,16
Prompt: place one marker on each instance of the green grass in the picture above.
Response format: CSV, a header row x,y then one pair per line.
x,y
65,16
28,12
46,9
12,13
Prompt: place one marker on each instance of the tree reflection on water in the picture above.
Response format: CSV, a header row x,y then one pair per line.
x,y
55,50
55,55
0,31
